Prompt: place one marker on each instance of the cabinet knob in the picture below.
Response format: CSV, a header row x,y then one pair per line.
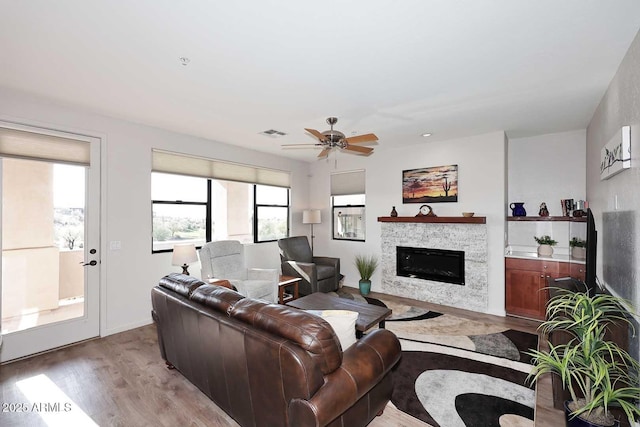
x,y
542,276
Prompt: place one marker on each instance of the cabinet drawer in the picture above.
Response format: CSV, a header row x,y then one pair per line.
x,y
553,268
578,271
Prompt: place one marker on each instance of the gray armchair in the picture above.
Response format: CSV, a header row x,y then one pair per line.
x,y
224,259
319,274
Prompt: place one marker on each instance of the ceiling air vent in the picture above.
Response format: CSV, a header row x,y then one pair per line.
x,y
272,133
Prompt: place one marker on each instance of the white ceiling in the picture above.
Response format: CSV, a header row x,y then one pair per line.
x,y
395,68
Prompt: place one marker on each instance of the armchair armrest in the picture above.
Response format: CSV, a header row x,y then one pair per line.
x,y
306,270
270,274
364,364
325,260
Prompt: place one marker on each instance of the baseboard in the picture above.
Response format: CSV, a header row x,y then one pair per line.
x,y
127,327
501,313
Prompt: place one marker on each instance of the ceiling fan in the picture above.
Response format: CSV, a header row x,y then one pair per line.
x,y
330,139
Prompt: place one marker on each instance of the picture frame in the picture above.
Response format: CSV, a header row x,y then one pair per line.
x,y
438,184
615,156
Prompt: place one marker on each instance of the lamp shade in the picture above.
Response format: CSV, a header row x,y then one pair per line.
x,y
311,216
184,254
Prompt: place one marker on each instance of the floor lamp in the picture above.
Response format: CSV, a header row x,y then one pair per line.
x,y
311,216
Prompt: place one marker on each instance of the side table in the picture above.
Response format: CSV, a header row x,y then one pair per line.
x,y
283,283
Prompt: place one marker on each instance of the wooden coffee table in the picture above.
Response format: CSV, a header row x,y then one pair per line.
x,y
368,314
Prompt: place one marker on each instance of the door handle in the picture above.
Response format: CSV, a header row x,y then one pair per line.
x,y
92,263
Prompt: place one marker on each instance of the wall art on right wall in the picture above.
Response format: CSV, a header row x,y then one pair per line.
x,y
616,155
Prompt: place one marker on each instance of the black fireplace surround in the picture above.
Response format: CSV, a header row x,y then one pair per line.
x,y
430,264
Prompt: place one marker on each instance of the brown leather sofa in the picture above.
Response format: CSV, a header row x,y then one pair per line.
x,y
269,364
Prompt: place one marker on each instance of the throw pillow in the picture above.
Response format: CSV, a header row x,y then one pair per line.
x,y
343,323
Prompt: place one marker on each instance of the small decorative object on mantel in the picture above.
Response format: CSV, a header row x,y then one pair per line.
x,y
546,245
468,214
425,210
394,212
543,210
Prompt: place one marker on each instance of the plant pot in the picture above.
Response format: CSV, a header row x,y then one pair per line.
x,y
579,422
578,252
365,287
545,250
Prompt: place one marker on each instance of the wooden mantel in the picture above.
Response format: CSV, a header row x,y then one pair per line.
x,y
435,219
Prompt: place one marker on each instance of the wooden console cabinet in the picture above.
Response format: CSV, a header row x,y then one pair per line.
x,y
525,282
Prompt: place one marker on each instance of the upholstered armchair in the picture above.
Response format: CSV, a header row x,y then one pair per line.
x,y
318,273
224,259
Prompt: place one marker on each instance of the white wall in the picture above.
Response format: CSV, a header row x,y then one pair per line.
x,y
618,107
129,274
546,168
482,183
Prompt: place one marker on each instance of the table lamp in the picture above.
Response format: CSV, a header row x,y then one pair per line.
x,y
183,255
311,216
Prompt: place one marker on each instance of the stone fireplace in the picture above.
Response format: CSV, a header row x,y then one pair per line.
x,y
457,236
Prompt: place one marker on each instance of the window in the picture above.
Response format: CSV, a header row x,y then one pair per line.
x,y
196,210
348,217
272,213
348,205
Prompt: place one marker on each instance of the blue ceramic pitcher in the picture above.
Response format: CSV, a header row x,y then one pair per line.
x,y
517,209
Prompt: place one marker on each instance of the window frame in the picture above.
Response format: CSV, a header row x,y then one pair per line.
x,y
333,218
256,207
207,205
208,214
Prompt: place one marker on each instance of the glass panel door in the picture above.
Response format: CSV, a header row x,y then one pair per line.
x,y
50,264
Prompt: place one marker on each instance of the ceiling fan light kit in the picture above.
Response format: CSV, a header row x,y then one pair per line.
x,y
330,139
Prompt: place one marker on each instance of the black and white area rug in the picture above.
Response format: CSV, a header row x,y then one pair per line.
x,y
456,372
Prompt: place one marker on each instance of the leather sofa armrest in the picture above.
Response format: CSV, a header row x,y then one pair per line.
x,y
364,364
306,270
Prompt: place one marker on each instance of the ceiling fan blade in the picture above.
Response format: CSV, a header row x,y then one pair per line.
x,y
324,153
363,150
359,139
315,133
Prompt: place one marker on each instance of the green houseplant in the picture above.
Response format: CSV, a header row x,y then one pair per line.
x,y
597,373
578,248
366,266
546,244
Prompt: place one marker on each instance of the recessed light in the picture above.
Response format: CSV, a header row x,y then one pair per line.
x,y
426,134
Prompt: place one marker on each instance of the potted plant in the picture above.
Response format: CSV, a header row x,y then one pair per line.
x,y
578,248
366,266
546,244
597,373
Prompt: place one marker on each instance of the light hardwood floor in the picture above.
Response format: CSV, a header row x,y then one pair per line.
x,y
121,380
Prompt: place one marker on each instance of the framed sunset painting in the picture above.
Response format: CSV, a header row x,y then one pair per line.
x,y
437,184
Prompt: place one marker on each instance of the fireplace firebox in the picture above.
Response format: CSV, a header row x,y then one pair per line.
x,y
430,264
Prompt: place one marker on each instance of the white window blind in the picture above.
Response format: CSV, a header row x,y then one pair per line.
x,y
347,183
34,146
183,164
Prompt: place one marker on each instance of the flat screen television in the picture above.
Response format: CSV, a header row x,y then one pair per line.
x,y
592,247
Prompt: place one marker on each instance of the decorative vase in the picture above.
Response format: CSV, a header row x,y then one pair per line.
x,y
517,209
545,250
365,287
394,212
578,252
579,422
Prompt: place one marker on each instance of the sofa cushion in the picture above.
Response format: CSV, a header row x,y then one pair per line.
x,y
325,271
343,323
216,297
181,283
309,332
